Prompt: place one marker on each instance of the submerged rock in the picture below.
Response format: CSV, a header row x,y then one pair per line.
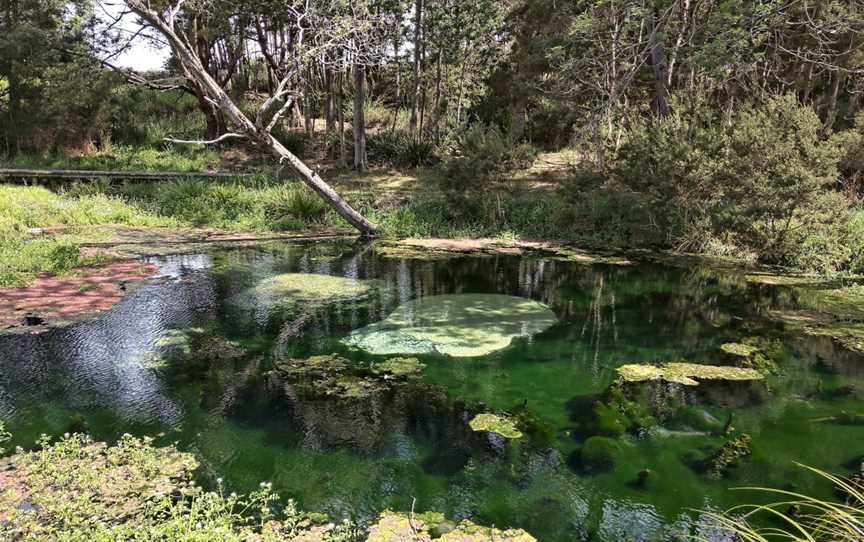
x,y
686,374
464,325
506,427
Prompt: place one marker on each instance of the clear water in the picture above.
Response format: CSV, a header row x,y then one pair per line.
x,y
356,458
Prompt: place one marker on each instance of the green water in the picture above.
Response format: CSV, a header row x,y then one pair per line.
x,y
354,458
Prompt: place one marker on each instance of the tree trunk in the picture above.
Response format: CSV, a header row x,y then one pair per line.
x,y
418,52
12,140
328,103
340,119
658,66
258,135
359,119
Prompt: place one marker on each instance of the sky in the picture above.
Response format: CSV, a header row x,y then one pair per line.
x,y
143,54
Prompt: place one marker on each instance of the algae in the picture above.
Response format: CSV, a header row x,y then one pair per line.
x,y
687,374
849,335
462,325
334,376
740,350
494,423
302,291
408,527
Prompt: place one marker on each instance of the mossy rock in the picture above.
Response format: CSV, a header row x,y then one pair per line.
x,y
599,453
687,374
462,325
403,527
492,423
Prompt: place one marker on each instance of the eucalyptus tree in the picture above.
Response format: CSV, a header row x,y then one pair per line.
x,y
319,27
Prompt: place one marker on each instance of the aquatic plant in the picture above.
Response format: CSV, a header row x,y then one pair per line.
x,y
751,356
462,325
728,455
334,376
616,413
302,292
797,517
398,368
687,374
410,527
493,423
599,453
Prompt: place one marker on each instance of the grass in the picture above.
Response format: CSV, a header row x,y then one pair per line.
x,y
800,518
182,159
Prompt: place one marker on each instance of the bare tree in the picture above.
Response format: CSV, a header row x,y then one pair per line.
x,y
258,132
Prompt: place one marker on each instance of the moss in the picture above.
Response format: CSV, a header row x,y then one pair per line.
x,y
493,423
616,414
849,335
399,368
739,349
599,453
466,325
751,356
334,376
687,374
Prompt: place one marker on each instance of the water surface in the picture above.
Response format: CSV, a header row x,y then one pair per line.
x,y
355,458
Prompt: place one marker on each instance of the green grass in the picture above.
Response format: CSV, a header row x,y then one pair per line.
x,y
183,159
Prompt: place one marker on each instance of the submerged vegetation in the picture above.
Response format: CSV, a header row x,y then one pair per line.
x,y
687,374
494,423
464,325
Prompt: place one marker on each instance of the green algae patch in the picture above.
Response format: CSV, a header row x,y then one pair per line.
x,y
687,374
399,368
849,335
740,350
493,423
461,325
302,291
312,287
405,527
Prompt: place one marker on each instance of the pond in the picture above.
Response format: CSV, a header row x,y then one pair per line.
x,y
211,357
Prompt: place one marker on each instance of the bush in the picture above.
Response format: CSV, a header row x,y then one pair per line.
x,y
486,153
758,179
401,149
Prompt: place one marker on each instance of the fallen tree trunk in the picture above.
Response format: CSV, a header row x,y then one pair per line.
x,y
257,132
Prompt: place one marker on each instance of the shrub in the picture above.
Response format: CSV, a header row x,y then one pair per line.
x,y
486,153
401,149
758,178
852,161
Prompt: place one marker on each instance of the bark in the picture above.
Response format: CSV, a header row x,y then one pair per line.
x,y
359,118
12,140
329,104
418,52
340,119
658,66
196,71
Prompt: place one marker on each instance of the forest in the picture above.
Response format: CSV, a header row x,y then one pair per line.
x,y
641,222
